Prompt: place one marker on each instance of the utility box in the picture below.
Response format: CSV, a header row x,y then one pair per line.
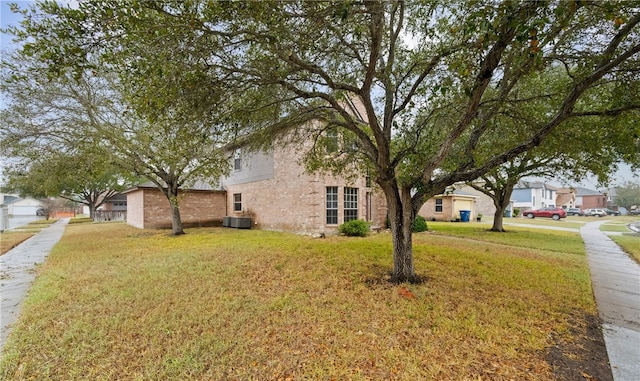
x,y
241,222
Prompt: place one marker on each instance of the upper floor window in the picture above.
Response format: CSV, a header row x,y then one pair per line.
x,y
331,136
237,162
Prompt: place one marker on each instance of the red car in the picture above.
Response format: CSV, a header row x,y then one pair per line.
x,y
555,213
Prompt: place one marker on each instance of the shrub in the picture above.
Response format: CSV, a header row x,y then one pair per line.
x,y
516,211
419,225
355,228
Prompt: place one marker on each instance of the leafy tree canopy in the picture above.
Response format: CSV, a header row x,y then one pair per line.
x,y
628,195
440,84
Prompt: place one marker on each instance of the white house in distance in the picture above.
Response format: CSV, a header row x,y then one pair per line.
x,y
534,195
21,206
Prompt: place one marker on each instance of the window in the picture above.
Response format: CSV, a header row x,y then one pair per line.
x,y
237,163
332,205
332,140
237,202
350,204
438,205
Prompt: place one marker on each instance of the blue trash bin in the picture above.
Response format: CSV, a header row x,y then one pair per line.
x,y
465,215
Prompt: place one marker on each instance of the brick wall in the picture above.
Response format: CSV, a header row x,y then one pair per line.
x,y
148,208
593,201
451,206
428,210
293,200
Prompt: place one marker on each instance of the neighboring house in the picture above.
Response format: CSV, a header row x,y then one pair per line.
x,y
23,206
447,207
5,198
588,198
534,195
566,198
611,194
274,189
117,203
148,208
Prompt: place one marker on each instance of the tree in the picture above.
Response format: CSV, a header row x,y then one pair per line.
x,y
628,195
55,110
432,76
588,145
87,178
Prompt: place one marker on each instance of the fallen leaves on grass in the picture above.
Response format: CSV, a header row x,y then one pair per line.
x,y
231,304
406,293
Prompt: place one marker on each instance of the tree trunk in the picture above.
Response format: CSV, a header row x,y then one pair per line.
x,y
92,210
498,219
501,202
176,221
401,218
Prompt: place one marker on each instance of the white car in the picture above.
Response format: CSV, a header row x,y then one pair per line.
x,y
597,212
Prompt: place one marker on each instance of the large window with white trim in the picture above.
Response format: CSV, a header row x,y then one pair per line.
x,y
332,205
350,204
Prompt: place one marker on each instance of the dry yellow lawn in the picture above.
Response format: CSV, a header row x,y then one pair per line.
x,y
9,239
113,302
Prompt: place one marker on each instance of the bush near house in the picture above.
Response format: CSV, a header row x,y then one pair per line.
x,y
420,225
355,228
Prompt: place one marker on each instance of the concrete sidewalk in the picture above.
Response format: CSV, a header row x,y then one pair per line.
x,y
16,273
615,278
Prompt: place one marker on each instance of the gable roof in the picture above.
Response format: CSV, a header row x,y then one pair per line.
x,y
564,198
534,185
199,185
586,192
8,199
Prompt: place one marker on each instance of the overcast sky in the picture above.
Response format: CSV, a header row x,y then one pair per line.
x,y
8,18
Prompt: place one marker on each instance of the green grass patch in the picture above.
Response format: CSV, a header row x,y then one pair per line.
x,y
615,228
569,222
43,222
114,302
80,220
630,243
533,238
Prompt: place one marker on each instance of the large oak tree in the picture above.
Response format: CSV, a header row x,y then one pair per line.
x,y
432,76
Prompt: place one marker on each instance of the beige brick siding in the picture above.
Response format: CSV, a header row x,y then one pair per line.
x,y
150,209
293,200
451,206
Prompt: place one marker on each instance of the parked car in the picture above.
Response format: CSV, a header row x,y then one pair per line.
x,y
555,213
612,212
41,212
595,212
575,212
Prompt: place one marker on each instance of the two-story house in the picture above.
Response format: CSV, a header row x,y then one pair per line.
x,y
275,191
533,195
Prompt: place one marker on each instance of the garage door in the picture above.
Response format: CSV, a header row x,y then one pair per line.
x,y
24,210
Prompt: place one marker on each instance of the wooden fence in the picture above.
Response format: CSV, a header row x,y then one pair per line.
x,y
111,215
